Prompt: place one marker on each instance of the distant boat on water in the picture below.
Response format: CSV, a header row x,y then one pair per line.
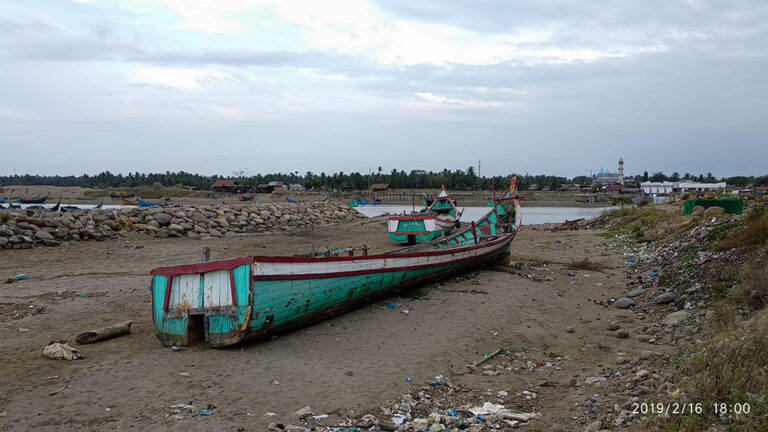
x,y
144,204
363,202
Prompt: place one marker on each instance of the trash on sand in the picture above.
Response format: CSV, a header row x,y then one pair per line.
x,y
104,333
175,348
398,419
206,412
389,305
320,416
21,276
182,407
630,261
59,351
654,274
501,411
571,274
408,379
303,412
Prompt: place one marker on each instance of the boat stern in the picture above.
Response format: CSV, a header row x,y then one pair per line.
x,y
208,302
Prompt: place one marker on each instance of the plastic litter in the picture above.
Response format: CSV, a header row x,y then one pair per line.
x,y
451,413
60,351
398,419
390,305
206,412
408,379
183,407
21,276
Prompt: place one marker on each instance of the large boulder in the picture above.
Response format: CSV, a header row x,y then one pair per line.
x,y
714,212
42,235
162,218
676,317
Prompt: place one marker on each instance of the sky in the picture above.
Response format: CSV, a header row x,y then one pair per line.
x,y
261,86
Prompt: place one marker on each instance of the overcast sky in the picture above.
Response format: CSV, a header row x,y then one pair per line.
x,y
540,86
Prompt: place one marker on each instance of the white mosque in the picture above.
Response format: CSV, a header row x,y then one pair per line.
x,y
609,178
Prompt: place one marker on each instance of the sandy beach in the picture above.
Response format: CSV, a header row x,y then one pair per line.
x,y
342,367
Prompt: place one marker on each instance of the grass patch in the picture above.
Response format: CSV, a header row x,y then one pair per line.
x,y
155,191
587,264
730,368
719,232
753,233
749,296
5,216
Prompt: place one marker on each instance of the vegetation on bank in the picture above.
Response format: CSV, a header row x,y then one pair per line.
x,y
730,363
156,190
400,179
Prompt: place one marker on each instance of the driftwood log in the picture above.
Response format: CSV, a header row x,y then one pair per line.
x,y
104,333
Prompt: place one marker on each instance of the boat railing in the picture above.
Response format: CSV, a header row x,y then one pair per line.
x,y
334,253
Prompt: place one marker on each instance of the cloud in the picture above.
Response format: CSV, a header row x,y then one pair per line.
x,y
570,84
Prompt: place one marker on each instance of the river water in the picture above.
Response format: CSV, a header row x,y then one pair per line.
x,y
531,215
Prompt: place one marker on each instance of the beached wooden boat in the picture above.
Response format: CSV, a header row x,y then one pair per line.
x,y
438,219
363,202
36,200
123,197
126,202
250,197
58,204
71,208
11,205
145,204
226,302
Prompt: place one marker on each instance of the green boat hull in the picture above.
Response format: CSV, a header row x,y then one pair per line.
x,y
226,302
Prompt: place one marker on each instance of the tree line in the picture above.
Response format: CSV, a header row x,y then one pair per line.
x,y
399,179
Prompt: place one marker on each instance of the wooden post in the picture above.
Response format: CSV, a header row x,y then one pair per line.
x,y
104,333
312,237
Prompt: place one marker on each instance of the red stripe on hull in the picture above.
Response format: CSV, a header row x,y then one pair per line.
x,y
202,267
301,259
383,270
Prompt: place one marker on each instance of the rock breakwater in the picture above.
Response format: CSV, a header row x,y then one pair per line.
x,y
23,230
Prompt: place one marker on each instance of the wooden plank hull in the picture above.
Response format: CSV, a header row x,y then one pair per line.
x,y
226,302
284,293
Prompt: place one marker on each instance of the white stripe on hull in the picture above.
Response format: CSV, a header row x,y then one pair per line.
x,y
322,267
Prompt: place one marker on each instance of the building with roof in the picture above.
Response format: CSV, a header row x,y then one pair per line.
x,y
664,188
225,186
608,178
381,187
